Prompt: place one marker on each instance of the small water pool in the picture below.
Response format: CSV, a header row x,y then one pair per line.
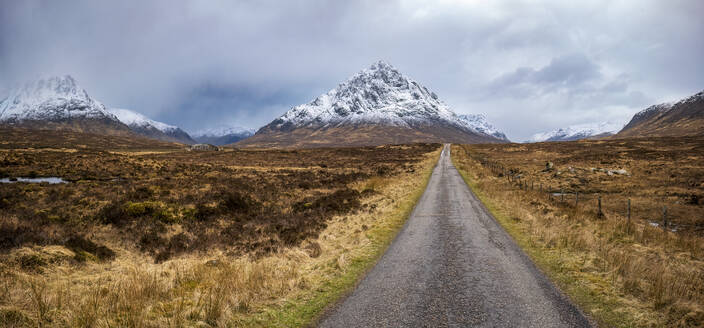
x,y
50,180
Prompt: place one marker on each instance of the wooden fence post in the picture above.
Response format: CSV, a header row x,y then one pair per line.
x,y
600,213
628,215
562,194
664,218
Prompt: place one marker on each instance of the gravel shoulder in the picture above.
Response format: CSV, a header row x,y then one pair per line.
x,y
452,265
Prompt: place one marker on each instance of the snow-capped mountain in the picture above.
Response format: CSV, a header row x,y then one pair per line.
x,y
682,118
57,98
578,132
147,127
375,106
479,123
222,135
60,103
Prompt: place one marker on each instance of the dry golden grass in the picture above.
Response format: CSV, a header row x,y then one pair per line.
x,y
212,288
623,275
660,172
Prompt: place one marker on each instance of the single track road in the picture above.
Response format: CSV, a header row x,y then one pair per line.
x,y
453,265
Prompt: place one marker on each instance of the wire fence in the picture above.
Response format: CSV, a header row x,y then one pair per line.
x,y
670,215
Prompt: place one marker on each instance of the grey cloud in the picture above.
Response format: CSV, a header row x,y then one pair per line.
x,y
192,63
212,104
572,72
571,69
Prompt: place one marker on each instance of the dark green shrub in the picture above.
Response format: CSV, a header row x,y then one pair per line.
x,y
140,194
234,201
113,213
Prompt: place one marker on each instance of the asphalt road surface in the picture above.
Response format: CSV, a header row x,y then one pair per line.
x,y
452,265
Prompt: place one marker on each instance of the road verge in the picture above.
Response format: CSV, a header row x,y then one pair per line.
x,y
591,291
349,257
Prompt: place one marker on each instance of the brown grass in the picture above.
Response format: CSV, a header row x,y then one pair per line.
x,y
236,238
623,274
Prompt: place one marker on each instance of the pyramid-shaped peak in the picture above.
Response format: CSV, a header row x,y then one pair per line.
x,y
379,69
381,65
378,98
378,95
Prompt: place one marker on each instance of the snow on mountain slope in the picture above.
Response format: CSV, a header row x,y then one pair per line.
x,y
51,99
699,96
147,127
577,132
650,112
222,134
479,123
132,118
223,130
377,95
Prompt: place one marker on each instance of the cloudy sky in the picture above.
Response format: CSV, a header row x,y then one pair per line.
x,y
530,66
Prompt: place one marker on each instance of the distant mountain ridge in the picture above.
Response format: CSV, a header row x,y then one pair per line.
x,y
376,106
222,135
147,127
682,118
578,132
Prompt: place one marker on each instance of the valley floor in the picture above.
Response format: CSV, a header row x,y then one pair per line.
x,y
148,234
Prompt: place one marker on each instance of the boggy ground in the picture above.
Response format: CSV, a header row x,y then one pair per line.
x,y
140,227
623,274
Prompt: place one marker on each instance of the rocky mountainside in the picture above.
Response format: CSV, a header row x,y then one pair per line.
x,y
682,118
57,103
147,127
578,132
378,105
222,135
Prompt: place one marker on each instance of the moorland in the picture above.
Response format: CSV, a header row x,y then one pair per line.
x,y
148,233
